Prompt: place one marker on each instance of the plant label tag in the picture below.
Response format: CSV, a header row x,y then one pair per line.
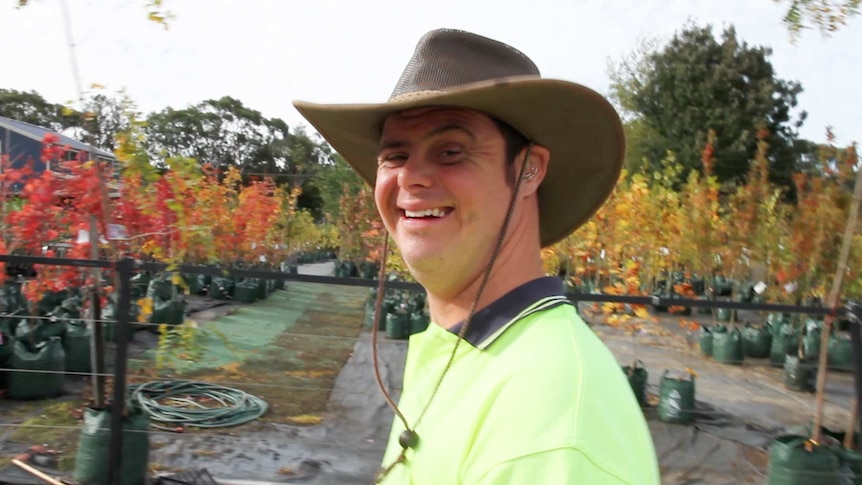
x,y
117,231
83,236
760,287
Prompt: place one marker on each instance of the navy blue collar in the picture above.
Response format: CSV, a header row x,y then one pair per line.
x,y
490,322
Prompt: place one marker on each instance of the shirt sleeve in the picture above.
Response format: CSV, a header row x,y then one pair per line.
x,y
561,466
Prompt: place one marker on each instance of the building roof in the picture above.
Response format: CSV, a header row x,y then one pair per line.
x,y
38,133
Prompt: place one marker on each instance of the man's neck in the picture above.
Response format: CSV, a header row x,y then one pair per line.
x,y
508,274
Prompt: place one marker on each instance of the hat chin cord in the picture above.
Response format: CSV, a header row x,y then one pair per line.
x,y
409,438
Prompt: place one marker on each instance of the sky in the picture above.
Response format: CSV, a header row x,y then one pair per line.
x,y
266,53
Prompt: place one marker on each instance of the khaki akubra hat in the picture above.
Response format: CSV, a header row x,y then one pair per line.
x,y
463,70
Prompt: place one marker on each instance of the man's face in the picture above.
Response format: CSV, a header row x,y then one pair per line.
x,y
441,190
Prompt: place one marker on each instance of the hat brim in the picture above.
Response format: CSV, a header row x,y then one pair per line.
x,y
579,127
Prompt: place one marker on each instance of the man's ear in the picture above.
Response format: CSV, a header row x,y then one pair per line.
x,y
536,169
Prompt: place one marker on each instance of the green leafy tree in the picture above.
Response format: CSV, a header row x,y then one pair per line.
x,y
104,117
671,97
31,107
220,132
827,16
334,179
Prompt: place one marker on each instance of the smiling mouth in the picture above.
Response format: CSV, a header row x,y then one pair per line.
x,y
435,213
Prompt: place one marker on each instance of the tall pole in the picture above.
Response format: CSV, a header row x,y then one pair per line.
x,y
832,301
123,333
97,341
70,41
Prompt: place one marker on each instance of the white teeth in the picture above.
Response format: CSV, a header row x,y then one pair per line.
x,y
436,212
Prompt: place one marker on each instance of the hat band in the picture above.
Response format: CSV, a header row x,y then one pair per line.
x,y
413,95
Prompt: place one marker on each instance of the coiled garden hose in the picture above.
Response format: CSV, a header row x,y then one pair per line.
x,y
196,404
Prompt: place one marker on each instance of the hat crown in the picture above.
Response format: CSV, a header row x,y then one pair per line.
x,y
447,58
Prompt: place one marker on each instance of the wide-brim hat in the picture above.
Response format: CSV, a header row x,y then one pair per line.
x,y
459,69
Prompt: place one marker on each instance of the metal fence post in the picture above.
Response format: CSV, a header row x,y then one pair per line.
x,y
123,335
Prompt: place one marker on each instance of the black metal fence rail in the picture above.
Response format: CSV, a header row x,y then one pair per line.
x,y
125,269
654,301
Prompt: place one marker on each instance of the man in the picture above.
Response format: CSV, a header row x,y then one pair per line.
x,y
477,163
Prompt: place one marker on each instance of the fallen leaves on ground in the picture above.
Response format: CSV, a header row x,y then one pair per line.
x,y
310,374
305,419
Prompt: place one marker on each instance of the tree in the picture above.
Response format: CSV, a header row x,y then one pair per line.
x,y
827,16
31,107
156,12
220,132
671,97
333,180
103,118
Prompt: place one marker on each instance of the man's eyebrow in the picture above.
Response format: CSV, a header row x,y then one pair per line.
x,y
451,127
391,144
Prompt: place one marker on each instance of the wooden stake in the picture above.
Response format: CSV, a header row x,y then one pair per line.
x,y
831,302
97,342
29,469
851,430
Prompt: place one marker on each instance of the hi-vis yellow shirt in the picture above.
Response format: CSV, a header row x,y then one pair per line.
x,y
533,397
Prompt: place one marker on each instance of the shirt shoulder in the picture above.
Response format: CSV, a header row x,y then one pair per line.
x,y
564,389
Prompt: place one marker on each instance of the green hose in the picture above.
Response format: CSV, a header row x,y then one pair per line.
x,y
197,404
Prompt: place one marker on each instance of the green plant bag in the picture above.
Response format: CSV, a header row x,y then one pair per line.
x,y
776,320
638,377
109,315
850,464
369,314
418,322
799,374
397,326
10,301
840,355
369,270
34,332
676,399
727,347
50,301
76,345
91,461
7,347
47,356
784,342
346,269
791,464
195,282
271,286
261,287
811,342
756,341
171,312
221,288
725,314
705,341
161,288
721,286
246,291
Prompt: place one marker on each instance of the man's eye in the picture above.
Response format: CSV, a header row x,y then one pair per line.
x,y
450,156
394,159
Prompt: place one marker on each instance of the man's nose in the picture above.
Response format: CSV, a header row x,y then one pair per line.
x,y
416,173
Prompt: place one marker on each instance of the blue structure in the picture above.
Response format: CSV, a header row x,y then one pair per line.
x,y
22,143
